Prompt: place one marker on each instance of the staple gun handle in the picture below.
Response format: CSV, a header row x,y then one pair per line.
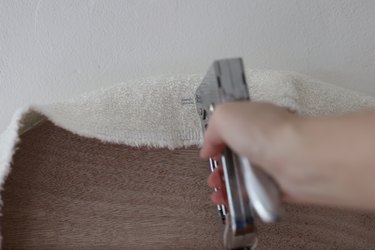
x,y
248,188
263,191
240,225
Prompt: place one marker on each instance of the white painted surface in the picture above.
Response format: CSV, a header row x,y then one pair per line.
x,y
51,50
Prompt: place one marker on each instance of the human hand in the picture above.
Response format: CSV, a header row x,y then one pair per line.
x,y
322,160
237,125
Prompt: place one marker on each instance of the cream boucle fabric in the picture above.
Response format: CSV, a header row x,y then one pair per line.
x,y
160,112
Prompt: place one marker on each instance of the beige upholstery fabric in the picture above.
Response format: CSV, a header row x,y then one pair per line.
x,y
70,192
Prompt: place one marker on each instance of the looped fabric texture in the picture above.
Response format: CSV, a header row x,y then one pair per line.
x,y
160,112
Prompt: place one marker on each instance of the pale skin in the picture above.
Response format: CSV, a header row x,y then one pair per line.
x,y
324,160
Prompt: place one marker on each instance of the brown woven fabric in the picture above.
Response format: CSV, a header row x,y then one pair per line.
x,y
70,192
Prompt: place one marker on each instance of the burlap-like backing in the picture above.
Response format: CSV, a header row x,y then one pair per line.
x,y
70,192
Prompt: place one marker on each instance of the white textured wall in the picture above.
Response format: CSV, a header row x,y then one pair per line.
x,y
52,49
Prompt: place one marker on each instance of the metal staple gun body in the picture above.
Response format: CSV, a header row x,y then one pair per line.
x,y
248,188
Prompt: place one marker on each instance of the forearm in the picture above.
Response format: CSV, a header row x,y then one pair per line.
x,y
336,158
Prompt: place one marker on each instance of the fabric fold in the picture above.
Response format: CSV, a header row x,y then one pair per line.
x,y
160,112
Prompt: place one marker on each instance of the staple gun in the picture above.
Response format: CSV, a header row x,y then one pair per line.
x,y
249,189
